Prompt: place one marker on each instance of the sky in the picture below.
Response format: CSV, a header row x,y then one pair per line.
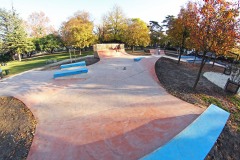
x,y
59,11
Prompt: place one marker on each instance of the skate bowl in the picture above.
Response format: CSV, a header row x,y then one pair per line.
x,y
119,111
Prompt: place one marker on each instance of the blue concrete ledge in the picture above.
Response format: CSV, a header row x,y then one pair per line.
x,y
137,59
192,60
186,57
195,141
78,64
197,60
70,72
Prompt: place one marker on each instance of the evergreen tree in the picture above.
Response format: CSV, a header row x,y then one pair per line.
x,y
13,34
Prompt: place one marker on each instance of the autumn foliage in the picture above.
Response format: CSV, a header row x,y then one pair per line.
x,y
214,25
38,25
137,33
78,31
208,26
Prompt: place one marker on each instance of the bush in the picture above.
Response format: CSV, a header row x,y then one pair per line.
x,y
5,57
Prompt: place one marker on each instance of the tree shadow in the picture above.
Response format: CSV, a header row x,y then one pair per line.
x,y
108,141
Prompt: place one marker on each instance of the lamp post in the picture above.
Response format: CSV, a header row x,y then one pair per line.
x,y
159,39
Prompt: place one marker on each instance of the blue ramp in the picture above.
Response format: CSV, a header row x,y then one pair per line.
x,y
70,72
78,64
137,59
195,141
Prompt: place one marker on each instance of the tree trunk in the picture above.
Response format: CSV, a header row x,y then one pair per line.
x,y
52,50
214,60
200,71
80,51
195,56
13,56
183,43
70,55
132,49
179,57
19,57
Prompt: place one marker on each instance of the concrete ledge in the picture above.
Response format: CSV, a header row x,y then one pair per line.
x,y
69,72
78,64
137,59
64,62
192,60
191,57
195,141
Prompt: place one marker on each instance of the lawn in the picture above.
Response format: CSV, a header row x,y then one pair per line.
x,y
16,67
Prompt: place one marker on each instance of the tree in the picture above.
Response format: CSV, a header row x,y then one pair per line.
x,y
78,31
100,32
155,32
4,23
1,45
13,34
38,24
17,42
167,25
51,42
48,43
179,30
168,22
214,27
137,33
115,24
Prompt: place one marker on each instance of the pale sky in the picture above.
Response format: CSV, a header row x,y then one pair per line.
x,y
59,10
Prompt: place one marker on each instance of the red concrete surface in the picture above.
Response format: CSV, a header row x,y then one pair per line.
x,y
97,119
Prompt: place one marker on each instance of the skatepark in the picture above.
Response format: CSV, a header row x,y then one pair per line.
x,y
117,110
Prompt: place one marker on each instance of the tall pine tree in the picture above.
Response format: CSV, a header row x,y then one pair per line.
x,y
13,34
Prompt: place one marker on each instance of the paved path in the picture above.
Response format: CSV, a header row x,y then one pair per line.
x,y
117,111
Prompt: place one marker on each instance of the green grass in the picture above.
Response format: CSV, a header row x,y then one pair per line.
x,y
235,100
210,100
16,67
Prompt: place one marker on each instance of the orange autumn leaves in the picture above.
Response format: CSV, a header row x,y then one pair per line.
x,y
211,25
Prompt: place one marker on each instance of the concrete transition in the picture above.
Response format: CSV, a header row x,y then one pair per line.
x,y
196,140
119,111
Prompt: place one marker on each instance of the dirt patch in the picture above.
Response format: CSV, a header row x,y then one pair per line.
x,y
17,127
88,60
178,80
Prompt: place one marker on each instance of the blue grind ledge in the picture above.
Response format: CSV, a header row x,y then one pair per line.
x,y
191,57
83,63
69,72
198,59
196,140
137,59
